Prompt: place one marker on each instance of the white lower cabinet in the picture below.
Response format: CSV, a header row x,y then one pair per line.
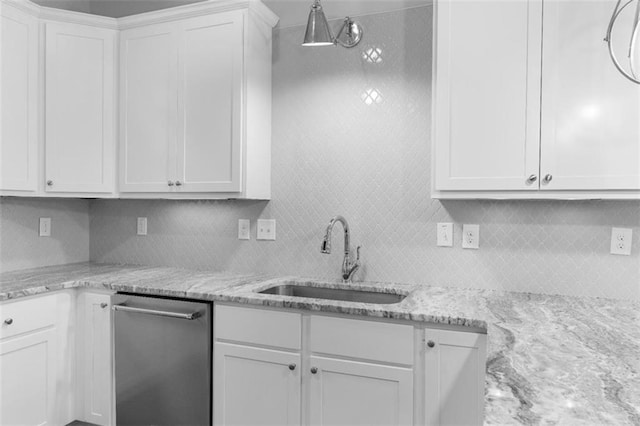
x,y
279,367
454,366
27,368
359,393
256,386
55,359
94,355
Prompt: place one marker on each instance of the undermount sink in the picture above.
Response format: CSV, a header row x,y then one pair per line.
x,y
345,295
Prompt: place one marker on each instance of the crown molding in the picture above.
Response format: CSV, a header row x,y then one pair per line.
x,y
69,16
164,15
60,15
198,9
22,5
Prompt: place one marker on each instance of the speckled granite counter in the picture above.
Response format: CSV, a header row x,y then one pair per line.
x,y
551,359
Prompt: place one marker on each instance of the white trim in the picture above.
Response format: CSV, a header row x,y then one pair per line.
x,y
197,9
24,6
72,17
535,195
164,15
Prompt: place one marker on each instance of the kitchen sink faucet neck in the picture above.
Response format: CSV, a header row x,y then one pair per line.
x,y
349,266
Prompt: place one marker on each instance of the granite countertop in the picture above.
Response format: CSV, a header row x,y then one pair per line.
x,y
550,359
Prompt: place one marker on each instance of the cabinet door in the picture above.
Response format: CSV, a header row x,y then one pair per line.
x,y
454,377
254,386
357,393
19,100
27,368
487,94
209,99
148,108
79,117
95,374
590,125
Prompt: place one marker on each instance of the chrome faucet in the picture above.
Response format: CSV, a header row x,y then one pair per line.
x,y
349,267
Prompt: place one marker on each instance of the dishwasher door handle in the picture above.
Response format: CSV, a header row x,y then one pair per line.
x,y
145,311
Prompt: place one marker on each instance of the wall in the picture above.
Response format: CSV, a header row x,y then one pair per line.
x,y
339,149
20,245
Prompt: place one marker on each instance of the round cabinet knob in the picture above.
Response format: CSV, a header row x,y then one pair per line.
x,y
314,370
170,183
8,321
49,183
532,178
431,343
292,367
548,178
178,183
104,305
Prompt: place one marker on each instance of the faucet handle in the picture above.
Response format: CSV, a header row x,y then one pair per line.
x,y
358,253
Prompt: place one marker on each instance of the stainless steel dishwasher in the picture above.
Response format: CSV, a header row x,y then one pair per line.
x,y
162,361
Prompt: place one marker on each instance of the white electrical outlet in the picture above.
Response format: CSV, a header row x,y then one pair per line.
x,y
142,226
45,227
266,229
471,236
244,229
445,234
621,241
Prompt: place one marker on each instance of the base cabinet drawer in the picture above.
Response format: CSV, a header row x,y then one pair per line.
x,y
258,326
24,316
368,340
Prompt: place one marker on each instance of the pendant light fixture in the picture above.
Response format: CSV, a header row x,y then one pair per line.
x,y
631,73
318,32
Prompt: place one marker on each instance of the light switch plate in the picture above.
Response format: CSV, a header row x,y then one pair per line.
x,y
142,226
244,229
621,241
445,234
266,229
471,236
45,227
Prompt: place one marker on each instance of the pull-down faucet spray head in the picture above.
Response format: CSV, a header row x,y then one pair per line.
x,y
348,267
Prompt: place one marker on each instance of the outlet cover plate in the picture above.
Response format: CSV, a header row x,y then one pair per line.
x,y
45,227
445,234
621,241
142,226
266,229
471,236
244,229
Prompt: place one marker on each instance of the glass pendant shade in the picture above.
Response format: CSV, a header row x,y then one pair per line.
x,y
318,32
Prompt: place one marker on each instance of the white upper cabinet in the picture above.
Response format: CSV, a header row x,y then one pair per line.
x,y
189,92
487,94
79,109
186,91
19,101
210,119
528,104
148,108
590,112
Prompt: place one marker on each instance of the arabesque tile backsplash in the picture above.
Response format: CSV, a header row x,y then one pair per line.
x,y
351,136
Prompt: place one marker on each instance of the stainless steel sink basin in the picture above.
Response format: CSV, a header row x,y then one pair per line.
x,y
360,296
